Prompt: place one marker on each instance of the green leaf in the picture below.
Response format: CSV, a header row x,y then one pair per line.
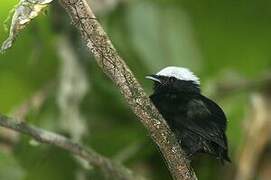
x,y
162,35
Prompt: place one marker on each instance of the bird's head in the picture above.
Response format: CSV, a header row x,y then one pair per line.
x,y
176,79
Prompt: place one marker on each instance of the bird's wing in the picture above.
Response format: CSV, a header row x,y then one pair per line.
x,y
206,118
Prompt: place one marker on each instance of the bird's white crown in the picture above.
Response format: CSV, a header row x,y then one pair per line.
x,y
180,73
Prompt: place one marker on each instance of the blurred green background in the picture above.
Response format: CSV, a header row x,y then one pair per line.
x,y
221,41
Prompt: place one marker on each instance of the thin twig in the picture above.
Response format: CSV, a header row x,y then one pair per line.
x,y
99,44
256,138
109,168
72,88
36,101
128,152
229,87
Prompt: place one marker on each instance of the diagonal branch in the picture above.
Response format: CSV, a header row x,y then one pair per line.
x,y
109,168
113,65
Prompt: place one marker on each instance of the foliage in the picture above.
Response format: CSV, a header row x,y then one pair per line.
x,y
214,39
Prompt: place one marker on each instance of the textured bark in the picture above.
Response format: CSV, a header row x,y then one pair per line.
x,y
113,65
110,169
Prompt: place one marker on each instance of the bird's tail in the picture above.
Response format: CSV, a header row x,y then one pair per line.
x,y
224,157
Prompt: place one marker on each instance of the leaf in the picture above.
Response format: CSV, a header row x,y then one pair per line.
x,y
24,12
162,35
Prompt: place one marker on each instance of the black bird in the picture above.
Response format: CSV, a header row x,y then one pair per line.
x,y
198,123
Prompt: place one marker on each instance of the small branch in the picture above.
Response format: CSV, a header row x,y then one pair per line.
x,y
36,101
109,168
113,65
72,88
228,87
256,139
128,152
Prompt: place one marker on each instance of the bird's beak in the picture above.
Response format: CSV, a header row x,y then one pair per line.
x,y
153,78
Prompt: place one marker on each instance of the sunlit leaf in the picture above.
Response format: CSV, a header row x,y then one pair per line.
x,y
24,12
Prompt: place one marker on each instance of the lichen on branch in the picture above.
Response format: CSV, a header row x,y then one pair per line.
x,y
109,168
100,46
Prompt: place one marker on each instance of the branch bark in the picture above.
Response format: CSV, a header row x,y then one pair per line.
x,y
108,167
113,65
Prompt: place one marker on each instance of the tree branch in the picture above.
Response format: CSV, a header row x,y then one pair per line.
x,y
113,65
226,87
257,136
109,168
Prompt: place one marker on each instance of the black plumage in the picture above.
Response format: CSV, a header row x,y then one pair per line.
x,y
198,123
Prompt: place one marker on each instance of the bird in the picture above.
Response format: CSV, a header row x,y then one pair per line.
x,y
198,123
